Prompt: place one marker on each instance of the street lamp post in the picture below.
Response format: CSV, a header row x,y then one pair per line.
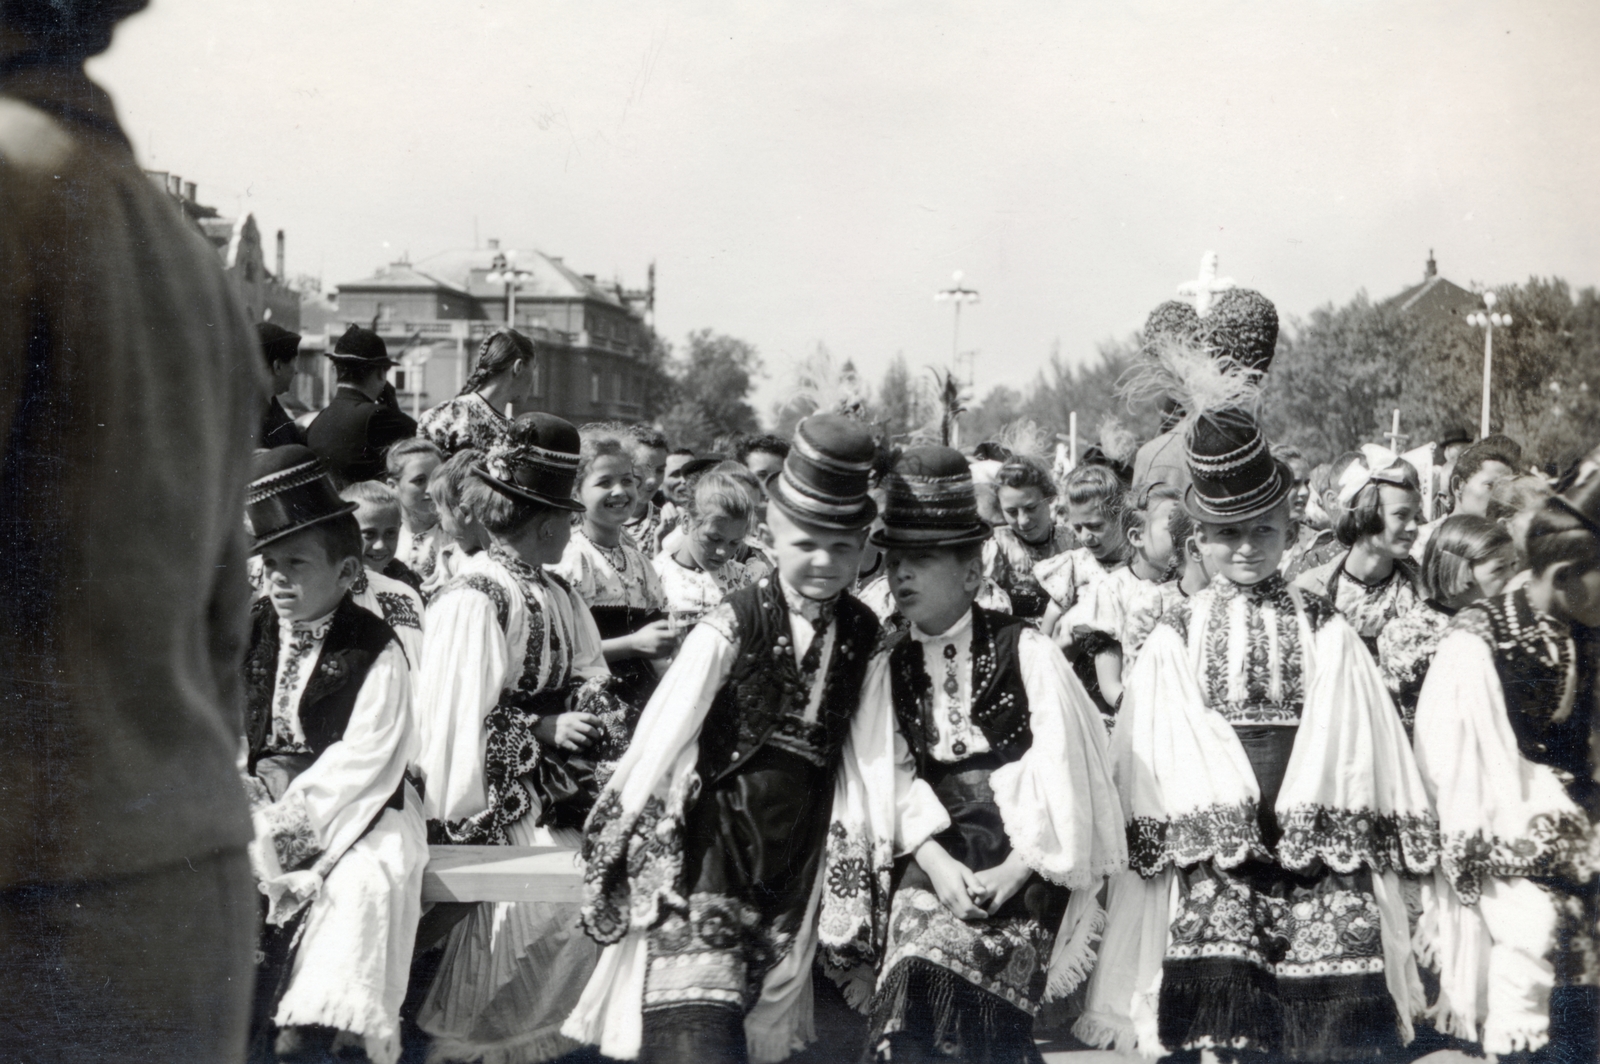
x,y
1487,320
503,271
957,294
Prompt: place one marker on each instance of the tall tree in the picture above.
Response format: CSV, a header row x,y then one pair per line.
x,y
713,382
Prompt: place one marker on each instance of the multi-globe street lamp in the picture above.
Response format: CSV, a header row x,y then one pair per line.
x,y
503,271
1487,320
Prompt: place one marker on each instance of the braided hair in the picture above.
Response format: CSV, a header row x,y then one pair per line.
x,y
499,352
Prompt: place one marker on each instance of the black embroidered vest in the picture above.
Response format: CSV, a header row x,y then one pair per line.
x,y
355,639
1533,677
762,699
999,700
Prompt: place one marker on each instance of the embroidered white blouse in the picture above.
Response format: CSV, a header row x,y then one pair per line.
x,y
610,576
692,593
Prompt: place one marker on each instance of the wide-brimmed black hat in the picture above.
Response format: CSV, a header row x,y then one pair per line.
x,y
359,345
277,343
930,502
289,491
700,463
825,477
1234,476
536,460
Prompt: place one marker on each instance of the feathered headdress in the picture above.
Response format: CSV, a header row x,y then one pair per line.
x,y
1025,439
828,388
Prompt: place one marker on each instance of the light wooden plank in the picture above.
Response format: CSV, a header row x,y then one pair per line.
x,y
502,873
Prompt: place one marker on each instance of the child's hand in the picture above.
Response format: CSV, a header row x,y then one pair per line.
x,y
654,640
957,886
568,731
1003,881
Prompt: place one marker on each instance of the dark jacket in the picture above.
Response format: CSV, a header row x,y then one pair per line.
x,y
277,427
131,390
354,432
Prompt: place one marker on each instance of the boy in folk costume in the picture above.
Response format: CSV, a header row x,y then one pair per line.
x,y
1506,740
705,852
1272,802
521,729
1011,745
340,841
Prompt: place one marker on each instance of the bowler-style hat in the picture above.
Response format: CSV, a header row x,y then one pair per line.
x,y
361,346
1234,476
289,491
931,502
535,460
824,480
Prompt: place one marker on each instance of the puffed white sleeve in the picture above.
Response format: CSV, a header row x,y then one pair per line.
x,y
577,570
464,664
331,803
588,649
1058,801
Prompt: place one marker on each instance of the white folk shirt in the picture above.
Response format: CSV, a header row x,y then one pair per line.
x,y
948,659
298,649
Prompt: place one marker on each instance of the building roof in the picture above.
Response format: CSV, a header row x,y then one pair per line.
x,y
1435,297
402,276
548,277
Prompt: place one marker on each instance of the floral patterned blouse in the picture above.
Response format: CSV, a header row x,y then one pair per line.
x,y
610,576
1009,560
1405,650
1368,607
692,593
466,421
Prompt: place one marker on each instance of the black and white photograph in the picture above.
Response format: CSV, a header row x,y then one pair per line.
x,y
537,532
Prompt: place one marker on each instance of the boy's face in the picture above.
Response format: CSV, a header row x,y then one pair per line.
x,y
933,588
380,533
817,562
1472,495
1300,491
301,580
763,465
1246,552
714,539
1027,511
1095,530
411,484
650,466
672,477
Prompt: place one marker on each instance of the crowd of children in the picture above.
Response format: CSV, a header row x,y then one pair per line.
x,y
1239,762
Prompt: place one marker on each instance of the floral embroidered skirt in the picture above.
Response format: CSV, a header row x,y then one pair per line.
x,y
753,846
953,989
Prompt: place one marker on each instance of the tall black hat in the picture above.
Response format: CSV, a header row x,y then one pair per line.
x,y
536,460
289,491
931,501
825,477
361,347
277,343
1234,476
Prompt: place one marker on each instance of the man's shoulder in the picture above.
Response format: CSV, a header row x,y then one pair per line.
x,y
35,145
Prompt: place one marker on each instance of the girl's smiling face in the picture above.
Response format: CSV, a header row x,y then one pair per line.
x,y
1027,512
609,490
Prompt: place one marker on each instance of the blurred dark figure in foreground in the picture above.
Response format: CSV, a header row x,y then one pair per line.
x,y
131,391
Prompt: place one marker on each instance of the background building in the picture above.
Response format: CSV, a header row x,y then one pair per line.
x,y
434,313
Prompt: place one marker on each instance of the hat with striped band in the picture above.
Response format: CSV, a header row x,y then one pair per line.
x,y
827,473
289,491
1234,476
535,460
930,502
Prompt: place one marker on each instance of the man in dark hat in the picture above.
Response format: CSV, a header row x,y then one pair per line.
x,y
1013,749
340,840
130,392
355,430
757,705
279,347
1506,739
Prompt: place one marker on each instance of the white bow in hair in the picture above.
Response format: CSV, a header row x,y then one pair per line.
x,y
1378,465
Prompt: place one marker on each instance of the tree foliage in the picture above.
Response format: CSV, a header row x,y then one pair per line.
x,y
711,385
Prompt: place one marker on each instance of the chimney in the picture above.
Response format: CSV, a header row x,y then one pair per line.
x,y
189,191
494,243
1432,269
281,275
175,186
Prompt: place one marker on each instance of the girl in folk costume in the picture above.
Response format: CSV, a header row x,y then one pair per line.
x,y
1271,796
521,732
997,911
411,464
1025,491
462,534
1467,559
340,843
1506,740
702,569
704,855
612,575
1375,581
505,380
647,525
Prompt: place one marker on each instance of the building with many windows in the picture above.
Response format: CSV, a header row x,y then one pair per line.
x,y
434,313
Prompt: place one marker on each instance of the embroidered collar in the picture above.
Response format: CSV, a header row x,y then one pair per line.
x,y
809,608
1273,589
318,627
519,569
952,634
616,556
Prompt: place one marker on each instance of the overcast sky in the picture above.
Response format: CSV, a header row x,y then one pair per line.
x,y
814,171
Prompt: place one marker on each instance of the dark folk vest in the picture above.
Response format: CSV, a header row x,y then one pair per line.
x,y
1533,676
999,700
763,699
355,639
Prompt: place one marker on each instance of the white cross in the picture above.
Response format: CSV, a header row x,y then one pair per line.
x,y
1203,289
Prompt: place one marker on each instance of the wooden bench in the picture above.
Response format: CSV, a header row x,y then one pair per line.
x,y
502,873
